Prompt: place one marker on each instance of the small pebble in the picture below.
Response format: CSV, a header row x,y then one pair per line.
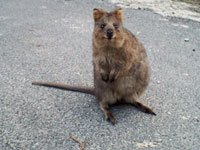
x,y
169,113
186,40
193,50
138,33
184,118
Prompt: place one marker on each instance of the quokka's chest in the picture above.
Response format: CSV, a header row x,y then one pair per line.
x,y
115,59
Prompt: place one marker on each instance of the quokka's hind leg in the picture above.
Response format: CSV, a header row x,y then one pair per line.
x,y
108,114
133,101
143,107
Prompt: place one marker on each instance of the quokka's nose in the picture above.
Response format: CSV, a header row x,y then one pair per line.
x,y
109,33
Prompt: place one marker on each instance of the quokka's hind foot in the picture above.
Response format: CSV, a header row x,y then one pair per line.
x,y
143,108
108,114
109,117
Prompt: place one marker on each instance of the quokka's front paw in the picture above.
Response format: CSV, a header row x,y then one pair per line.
x,y
104,77
113,76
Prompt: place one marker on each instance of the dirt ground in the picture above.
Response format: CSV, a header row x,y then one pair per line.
x,y
174,8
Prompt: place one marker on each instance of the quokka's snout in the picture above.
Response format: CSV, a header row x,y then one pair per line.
x,y
109,33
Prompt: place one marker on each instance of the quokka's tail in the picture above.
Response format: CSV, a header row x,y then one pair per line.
x,y
65,87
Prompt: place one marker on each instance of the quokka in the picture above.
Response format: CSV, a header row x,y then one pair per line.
x,y
121,69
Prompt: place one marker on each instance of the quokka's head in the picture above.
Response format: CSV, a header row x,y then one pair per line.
x,y
108,30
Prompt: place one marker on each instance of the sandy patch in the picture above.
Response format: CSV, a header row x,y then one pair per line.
x,y
163,7
147,144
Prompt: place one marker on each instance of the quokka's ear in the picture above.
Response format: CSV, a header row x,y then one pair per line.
x,y
97,13
119,14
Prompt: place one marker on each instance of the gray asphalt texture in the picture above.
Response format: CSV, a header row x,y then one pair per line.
x,y
51,41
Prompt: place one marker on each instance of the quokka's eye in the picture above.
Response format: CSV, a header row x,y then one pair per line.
x,y
102,26
115,26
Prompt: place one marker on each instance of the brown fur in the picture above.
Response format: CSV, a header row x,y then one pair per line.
x,y
121,70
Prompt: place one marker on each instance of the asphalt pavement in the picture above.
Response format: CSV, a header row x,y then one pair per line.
x,y
51,41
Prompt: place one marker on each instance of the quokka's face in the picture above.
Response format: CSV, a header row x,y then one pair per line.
x,y
108,26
